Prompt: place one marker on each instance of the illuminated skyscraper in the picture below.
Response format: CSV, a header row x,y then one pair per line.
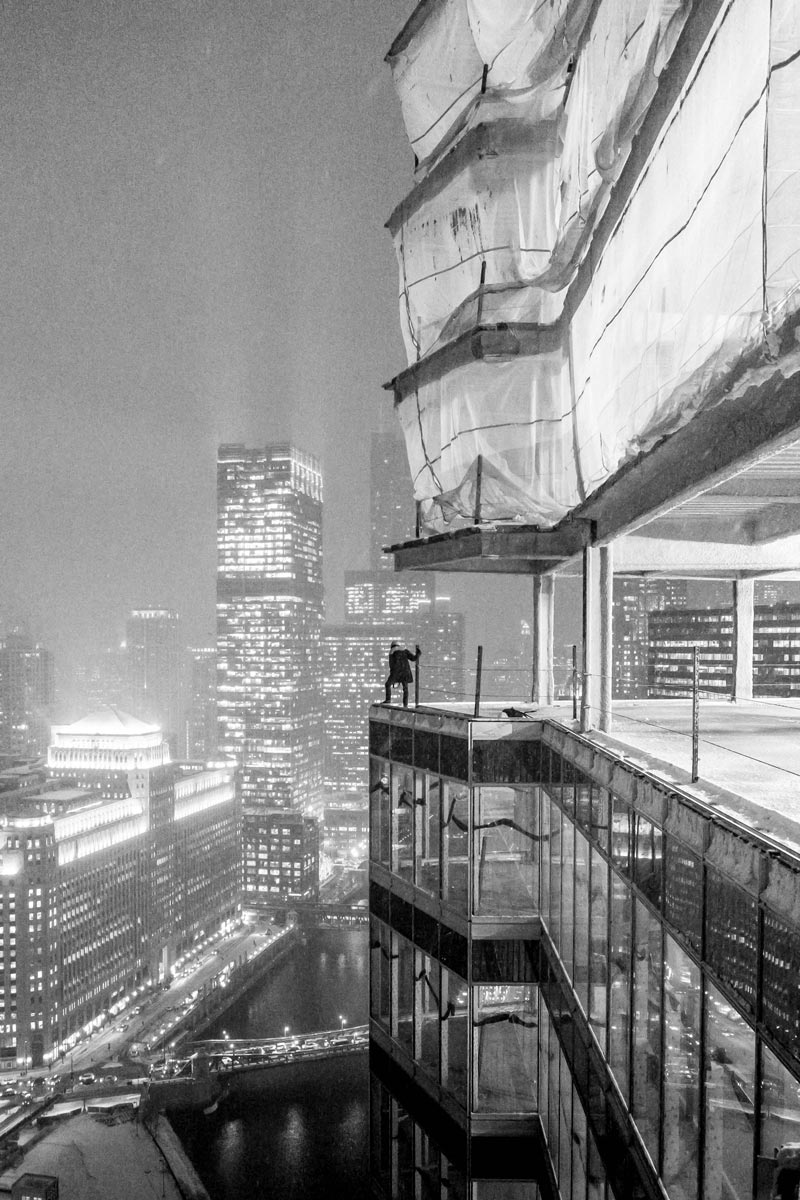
x,y
269,619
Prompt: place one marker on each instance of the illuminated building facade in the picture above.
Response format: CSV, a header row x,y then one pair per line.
x,y
269,619
672,635
26,695
155,658
372,596
354,667
634,600
281,856
107,873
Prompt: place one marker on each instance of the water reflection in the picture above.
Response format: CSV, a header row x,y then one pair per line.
x,y
306,1133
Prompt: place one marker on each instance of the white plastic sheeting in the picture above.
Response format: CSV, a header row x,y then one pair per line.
x,y
703,266
501,221
438,62
535,187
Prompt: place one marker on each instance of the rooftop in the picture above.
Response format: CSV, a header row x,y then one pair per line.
x,y
107,722
93,1157
748,759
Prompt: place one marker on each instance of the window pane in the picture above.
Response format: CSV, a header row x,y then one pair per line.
x,y
620,834
544,1063
596,1175
380,973
404,993
504,1049
554,896
505,852
731,935
427,1167
544,883
428,1007
780,1121
647,858
730,1082
781,992
402,819
601,809
598,963
646,1066
683,896
583,801
579,1149
581,965
428,834
682,1000
454,1036
455,843
380,827
567,893
620,981
553,1076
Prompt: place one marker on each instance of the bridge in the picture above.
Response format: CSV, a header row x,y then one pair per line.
x,y
340,916
223,1068
226,1056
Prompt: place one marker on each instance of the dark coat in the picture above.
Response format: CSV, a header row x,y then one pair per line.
x,y
399,670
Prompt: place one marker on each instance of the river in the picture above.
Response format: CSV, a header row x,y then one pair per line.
x,y
307,1134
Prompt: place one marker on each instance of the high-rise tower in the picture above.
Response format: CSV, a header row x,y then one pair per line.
x,y
26,695
269,618
154,669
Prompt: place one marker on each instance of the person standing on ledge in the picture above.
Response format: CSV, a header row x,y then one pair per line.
x,y
399,670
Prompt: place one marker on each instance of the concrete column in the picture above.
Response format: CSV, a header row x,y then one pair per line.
x,y
592,666
743,639
606,634
543,608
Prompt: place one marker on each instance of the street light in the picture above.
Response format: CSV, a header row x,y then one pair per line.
x,y
343,1021
286,1029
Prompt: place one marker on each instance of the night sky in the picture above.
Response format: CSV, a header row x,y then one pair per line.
x,y
191,233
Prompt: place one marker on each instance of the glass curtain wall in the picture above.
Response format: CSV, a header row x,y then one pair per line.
x,y
629,910
629,903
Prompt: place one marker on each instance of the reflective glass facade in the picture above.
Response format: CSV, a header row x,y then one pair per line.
x,y
567,952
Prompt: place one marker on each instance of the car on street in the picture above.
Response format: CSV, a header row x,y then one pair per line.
x,y
87,1077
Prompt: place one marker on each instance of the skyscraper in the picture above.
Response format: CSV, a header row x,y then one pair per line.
x,y
393,511
269,619
634,599
154,669
201,707
26,694
379,607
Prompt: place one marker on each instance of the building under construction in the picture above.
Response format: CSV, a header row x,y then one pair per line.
x,y
585,937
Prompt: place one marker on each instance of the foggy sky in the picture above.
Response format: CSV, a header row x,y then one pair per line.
x,y
191,233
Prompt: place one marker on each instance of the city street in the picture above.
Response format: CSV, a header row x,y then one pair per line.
x,y
144,1021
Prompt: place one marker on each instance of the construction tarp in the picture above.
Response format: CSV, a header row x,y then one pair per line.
x,y
700,267
452,54
504,214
